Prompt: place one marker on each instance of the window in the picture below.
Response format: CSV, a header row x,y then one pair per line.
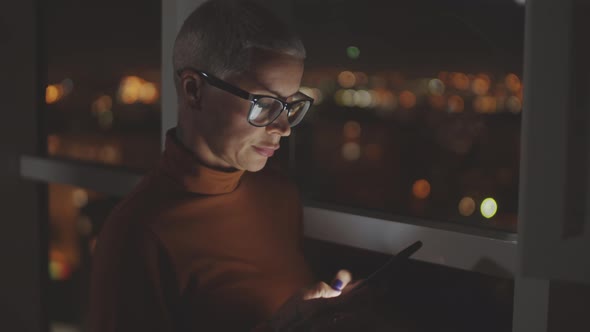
x,y
76,216
103,73
102,105
418,107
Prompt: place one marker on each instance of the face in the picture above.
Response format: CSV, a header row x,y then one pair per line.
x,y
232,141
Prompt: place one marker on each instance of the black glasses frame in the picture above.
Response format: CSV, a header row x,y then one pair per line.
x,y
252,98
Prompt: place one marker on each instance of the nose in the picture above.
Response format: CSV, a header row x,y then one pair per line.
x,y
280,125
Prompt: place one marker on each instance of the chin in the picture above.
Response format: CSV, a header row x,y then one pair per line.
x,y
255,166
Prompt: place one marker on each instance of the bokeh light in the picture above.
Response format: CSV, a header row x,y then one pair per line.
x,y
59,268
512,83
148,93
353,52
467,206
460,81
348,98
407,99
436,87
129,89
513,104
362,98
421,189
52,94
351,151
346,79
351,130
481,85
489,207
134,89
79,198
456,104
338,97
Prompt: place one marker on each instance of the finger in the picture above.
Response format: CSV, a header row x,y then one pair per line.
x,y
321,290
326,291
342,278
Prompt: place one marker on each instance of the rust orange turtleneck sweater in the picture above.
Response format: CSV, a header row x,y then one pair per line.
x,y
196,249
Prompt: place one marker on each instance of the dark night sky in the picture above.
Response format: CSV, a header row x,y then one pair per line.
x,y
95,34
477,34
422,35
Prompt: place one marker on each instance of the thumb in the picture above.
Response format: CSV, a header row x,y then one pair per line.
x,y
341,279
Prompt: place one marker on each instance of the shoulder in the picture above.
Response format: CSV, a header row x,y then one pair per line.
x,y
137,213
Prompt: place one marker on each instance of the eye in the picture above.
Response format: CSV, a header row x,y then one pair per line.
x,y
264,104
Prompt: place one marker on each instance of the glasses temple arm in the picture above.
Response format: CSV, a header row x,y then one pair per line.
x,y
226,86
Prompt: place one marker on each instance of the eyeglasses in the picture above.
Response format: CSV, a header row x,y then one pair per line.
x,y
264,109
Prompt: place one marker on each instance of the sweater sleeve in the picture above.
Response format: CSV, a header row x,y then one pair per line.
x,y
133,285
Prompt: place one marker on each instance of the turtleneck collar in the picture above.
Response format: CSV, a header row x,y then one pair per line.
x,y
182,164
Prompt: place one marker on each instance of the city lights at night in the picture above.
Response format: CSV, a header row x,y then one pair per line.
x,y
134,89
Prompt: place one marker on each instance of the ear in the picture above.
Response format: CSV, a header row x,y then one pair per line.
x,y
192,85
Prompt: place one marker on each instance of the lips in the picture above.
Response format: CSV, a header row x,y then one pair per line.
x,y
266,151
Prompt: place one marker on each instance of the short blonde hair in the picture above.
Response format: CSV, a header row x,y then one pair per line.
x,y
219,35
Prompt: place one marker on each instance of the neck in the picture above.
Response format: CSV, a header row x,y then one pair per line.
x,y
196,143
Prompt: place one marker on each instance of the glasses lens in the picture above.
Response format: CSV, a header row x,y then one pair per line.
x,y
264,111
298,111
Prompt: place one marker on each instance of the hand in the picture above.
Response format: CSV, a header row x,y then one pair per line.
x,y
323,290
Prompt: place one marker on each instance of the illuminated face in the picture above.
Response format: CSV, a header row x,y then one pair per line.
x,y
233,141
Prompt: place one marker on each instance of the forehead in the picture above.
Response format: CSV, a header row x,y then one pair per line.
x,y
275,72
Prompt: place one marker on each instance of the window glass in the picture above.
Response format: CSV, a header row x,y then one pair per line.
x,y
418,107
103,74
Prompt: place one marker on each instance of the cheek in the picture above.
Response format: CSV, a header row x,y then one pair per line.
x,y
243,152
238,135
231,136
243,137
224,122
